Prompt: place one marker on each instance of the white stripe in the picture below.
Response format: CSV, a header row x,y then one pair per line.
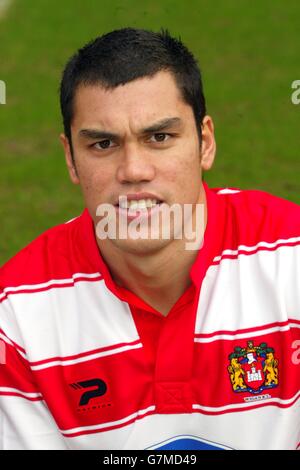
x,y
228,191
86,358
250,334
8,341
71,220
239,430
250,292
109,424
219,409
50,283
28,425
63,322
248,249
20,392
5,339
95,275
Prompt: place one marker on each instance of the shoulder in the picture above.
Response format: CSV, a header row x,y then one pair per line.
x,y
255,198
258,215
49,256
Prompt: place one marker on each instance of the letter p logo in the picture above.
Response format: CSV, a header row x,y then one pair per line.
x,y
96,392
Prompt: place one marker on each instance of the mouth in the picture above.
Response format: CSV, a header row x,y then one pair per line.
x,y
137,207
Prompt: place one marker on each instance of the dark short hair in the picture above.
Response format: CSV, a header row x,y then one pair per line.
x,y
123,55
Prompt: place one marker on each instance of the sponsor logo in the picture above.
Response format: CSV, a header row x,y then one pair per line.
x,y
188,443
253,368
96,388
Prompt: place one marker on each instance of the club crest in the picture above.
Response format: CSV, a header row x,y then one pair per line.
x,y
253,368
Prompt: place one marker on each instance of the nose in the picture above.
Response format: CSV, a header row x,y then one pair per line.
x,y
135,165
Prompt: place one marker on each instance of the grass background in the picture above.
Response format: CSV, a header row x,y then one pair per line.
x,y
249,53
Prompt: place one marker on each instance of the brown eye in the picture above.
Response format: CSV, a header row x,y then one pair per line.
x,y
160,137
104,144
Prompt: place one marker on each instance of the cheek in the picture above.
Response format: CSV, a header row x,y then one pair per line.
x,y
184,176
185,168
94,181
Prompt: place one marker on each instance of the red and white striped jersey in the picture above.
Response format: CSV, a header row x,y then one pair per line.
x,y
89,365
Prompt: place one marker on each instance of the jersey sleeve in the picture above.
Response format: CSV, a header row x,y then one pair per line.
x,y
25,421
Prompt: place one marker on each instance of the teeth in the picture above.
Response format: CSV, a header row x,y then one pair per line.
x,y
135,205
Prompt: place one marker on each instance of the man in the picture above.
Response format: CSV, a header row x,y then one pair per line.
x,y
127,342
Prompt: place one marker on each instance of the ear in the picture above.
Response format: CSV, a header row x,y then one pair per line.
x,y
208,144
69,160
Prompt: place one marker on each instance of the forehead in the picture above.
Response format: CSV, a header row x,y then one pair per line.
x,y
136,103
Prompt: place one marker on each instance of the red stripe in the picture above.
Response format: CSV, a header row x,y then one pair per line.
x,y
239,409
212,362
247,330
3,298
84,354
52,286
118,426
100,277
109,427
16,394
13,342
130,383
248,253
132,343
15,373
129,388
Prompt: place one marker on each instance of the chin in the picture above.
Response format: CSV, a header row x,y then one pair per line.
x,y
140,246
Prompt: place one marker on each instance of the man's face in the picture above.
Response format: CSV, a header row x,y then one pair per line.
x,y
165,162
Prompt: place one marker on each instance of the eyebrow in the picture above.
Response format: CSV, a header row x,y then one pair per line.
x,y
161,125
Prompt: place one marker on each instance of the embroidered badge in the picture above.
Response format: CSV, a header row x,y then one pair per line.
x,y
253,368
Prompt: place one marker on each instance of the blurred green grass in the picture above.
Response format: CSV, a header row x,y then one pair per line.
x,y
248,51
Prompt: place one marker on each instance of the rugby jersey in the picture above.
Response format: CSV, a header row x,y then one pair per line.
x,y
86,364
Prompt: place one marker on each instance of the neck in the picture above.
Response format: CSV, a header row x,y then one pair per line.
x,y
159,278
